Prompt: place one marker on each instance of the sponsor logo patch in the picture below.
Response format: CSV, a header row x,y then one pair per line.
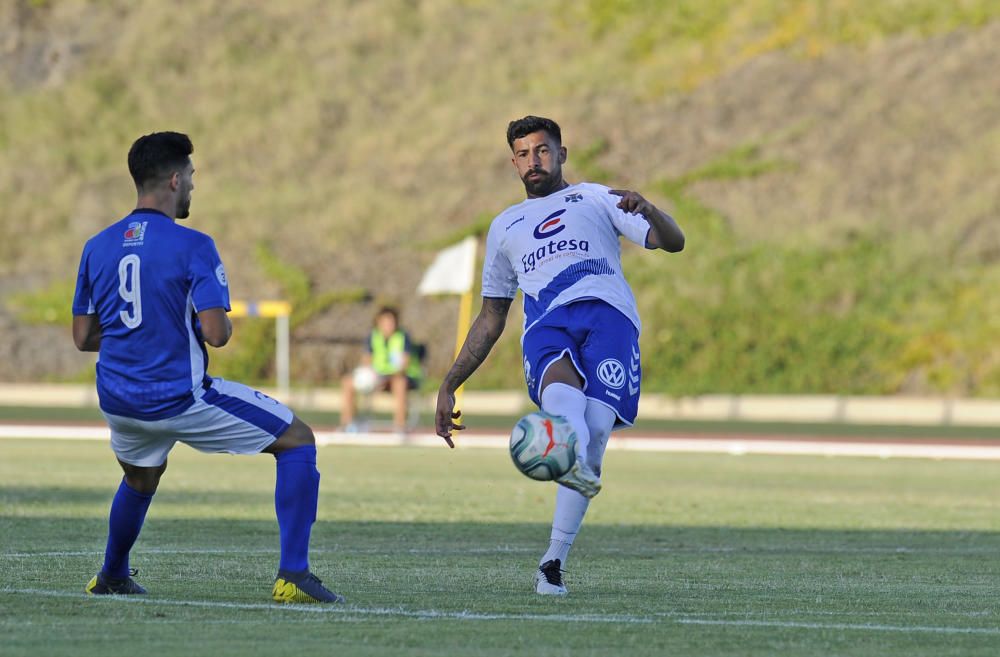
x,y
220,273
552,248
550,225
135,233
611,372
529,261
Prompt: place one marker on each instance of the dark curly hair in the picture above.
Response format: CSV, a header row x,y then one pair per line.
x,y
156,156
529,124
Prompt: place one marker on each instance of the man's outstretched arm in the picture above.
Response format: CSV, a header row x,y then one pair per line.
x,y
485,332
664,232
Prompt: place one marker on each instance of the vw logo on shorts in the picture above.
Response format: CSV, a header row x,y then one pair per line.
x,y
611,372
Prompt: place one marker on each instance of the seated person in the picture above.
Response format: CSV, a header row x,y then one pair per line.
x,y
392,365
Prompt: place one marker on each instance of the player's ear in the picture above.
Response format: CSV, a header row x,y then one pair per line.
x,y
562,154
175,181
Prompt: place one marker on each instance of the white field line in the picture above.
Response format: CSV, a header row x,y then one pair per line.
x,y
55,432
346,610
626,442
349,612
870,627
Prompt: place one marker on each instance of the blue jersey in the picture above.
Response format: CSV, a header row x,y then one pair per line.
x,y
146,278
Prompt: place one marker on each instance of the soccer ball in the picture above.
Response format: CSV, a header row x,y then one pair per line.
x,y
543,446
365,379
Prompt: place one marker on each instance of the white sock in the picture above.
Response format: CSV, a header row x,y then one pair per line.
x,y
563,399
566,521
600,422
571,507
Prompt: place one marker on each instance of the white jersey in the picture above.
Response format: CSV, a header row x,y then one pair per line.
x,y
561,248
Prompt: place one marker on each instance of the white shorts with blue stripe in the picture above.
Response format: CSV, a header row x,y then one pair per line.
x,y
228,417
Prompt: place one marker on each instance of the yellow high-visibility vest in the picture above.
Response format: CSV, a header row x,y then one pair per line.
x,y
387,355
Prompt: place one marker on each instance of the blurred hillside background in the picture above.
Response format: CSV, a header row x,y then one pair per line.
x,y
835,165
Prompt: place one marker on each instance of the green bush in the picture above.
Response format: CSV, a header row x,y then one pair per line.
x,y
870,313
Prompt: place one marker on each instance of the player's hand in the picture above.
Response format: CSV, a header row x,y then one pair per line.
x,y
445,416
632,202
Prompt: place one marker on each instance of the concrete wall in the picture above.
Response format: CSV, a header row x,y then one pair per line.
x,y
771,408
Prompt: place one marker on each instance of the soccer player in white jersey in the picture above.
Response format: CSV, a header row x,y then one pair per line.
x,y
581,328
150,294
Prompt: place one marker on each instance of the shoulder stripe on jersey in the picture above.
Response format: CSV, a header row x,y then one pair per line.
x,y
535,308
246,411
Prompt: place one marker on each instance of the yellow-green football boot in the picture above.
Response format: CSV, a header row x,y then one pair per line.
x,y
302,587
103,584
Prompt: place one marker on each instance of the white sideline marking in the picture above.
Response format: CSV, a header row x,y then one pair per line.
x,y
55,432
875,627
423,614
350,613
625,442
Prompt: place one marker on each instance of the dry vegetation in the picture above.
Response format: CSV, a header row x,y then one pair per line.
x,y
835,165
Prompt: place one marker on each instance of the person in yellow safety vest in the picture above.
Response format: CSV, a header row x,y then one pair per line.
x,y
389,364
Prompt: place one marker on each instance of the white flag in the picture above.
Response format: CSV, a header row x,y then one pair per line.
x,y
452,270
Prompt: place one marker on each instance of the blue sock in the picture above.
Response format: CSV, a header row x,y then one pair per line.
x,y
128,511
296,496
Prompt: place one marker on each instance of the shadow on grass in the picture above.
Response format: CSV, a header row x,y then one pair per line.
x,y
99,497
27,534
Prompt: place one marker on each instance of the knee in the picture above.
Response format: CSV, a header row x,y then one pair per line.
x,y
302,433
141,486
144,480
298,434
600,436
595,450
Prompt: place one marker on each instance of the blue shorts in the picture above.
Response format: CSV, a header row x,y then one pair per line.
x,y
604,347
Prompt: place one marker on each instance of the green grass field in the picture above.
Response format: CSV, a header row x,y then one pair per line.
x,y
434,549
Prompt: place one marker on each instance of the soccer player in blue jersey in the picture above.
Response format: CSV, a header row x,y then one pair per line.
x,y
150,294
561,248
